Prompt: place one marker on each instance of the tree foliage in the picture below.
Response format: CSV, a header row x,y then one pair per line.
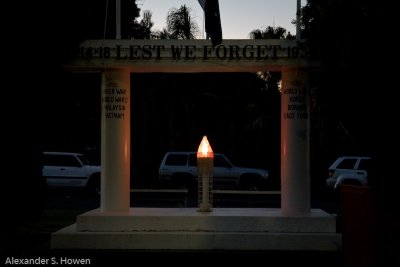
x,y
271,79
180,24
348,38
162,34
271,33
142,29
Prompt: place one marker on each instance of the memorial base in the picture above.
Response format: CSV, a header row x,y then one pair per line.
x,y
188,229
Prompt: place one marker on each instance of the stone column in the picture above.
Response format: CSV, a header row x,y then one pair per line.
x,y
115,141
295,142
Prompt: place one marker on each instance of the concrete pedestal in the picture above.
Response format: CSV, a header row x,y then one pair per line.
x,y
188,229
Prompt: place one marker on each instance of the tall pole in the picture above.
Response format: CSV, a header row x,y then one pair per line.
x,y
298,19
118,19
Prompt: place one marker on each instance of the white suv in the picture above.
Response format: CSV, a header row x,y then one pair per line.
x,y
70,170
180,168
348,170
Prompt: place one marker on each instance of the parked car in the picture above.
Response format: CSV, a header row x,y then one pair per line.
x,y
348,170
180,168
70,170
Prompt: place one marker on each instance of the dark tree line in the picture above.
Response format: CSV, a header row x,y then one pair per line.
x,y
349,39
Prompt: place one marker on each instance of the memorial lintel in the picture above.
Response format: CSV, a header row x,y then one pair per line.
x,y
191,50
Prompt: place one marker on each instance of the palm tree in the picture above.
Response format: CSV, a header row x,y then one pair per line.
x,y
180,24
271,33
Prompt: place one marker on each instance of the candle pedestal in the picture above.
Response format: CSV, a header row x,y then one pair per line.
x,y
205,182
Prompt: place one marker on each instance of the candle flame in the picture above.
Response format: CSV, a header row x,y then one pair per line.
x,y
205,150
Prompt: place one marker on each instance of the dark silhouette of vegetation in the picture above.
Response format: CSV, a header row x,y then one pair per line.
x,y
271,33
162,34
180,24
341,34
142,29
351,111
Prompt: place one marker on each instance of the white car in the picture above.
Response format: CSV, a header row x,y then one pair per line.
x,y
180,168
70,170
348,170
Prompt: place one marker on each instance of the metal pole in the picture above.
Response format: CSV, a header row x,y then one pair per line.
x,y
118,19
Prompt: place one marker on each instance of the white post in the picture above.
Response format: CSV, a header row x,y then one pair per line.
x,y
115,141
118,19
295,142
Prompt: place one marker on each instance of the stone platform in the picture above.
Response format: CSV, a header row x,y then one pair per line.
x,y
188,229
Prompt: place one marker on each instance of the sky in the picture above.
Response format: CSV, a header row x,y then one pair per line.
x,y
238,17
